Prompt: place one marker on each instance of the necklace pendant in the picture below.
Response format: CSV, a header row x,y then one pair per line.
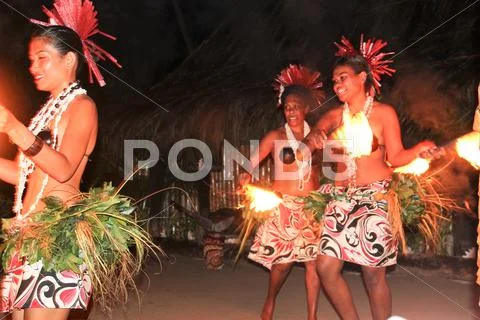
x,y
301,185
294,144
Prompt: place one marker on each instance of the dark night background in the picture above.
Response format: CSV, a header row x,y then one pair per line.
x,y
150,45
211,64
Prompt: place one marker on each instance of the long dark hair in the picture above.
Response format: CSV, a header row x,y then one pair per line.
x,y
358,64
64,40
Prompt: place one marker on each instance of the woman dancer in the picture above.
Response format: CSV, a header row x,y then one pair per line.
x,y
53,153
356,225
289,235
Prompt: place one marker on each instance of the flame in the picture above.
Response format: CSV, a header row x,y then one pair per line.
x,y
355,134
261,199
468,148
416,167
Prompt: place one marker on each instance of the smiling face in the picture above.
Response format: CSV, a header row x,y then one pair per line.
x,y
347,84
295,109
51,71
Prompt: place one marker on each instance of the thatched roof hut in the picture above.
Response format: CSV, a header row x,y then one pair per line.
x,y
223,90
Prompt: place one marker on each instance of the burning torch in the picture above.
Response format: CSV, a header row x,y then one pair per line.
x,y
466,146
476,128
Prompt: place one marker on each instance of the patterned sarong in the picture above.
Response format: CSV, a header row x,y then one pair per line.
x,y
26,285
288,235
356,226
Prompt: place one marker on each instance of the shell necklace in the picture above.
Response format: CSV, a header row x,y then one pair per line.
x,y
360,135
303,165
52,110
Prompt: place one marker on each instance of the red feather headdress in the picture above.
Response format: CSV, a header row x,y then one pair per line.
x,y
80,16
301,76
370,50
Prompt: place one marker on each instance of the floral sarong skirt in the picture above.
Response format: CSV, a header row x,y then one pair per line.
x,y
356,226
26,285
288,235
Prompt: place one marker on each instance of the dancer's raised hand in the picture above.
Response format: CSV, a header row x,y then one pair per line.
x,y
7,119
316,139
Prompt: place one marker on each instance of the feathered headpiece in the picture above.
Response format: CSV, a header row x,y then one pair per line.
x,y
370,50
300,76
81,17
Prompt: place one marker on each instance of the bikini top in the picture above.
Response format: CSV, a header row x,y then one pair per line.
x,y
358,122
376,145
46,136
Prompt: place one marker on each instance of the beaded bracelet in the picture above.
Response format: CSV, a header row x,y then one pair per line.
x,y
35,148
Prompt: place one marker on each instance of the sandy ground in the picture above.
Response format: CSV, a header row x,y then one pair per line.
x,y
185,289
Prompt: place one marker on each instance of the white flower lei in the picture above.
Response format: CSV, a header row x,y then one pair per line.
x,y
294,144
52,110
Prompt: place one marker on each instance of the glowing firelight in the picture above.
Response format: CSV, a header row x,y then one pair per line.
x,y
416,167
261,199
355,135
468,148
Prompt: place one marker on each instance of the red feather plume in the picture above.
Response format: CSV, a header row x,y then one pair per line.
x,y
80,16
370,50
345,48
302,76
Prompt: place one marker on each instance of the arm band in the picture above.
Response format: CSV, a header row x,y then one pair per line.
x,y
35,148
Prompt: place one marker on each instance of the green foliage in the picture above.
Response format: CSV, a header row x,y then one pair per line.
x,y
98,231
316,202
51,235
408,190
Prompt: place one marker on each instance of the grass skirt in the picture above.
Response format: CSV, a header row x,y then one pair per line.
x,y
57,256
